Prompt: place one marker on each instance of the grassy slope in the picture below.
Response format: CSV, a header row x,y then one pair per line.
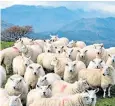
x,y
101,102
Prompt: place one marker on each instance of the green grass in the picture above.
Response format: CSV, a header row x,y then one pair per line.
x,y
4,44
100,102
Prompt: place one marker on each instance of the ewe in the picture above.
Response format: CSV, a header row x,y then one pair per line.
x,y
33,72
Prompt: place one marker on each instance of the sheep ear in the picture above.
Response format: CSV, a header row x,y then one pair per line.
x,y
102,45
62,47
29,57
86,90
12,79
21,41
109,55
72,50
44,40
74,63
19,96
45,78
93,61
78,50
86,51
49,86
96,90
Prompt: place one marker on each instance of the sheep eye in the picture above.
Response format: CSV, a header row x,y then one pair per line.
x,y
31,67
66,64
39,67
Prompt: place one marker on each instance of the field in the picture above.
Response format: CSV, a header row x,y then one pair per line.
x,y
101,102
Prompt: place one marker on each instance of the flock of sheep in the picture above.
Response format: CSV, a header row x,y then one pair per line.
x,y
55,72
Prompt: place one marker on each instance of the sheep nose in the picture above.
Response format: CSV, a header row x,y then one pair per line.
x,y
48,50
58,51
97,52
34,73
103,74
14,87
82,56
26,65
92,99
44,93
70,70
97,67
69,55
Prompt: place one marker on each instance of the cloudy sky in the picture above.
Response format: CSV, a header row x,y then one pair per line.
x,y
104,6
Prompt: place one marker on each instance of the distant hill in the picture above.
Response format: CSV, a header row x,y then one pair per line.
x,y
5,25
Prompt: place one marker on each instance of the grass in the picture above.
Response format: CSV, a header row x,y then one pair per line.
x,y
100,101
4,44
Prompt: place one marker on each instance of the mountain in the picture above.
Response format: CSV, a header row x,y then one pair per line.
x,y
5,25
91,30
41,18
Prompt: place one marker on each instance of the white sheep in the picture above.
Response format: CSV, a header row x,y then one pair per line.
x,y
16,85
39,92
80,44
10,101
20,63
54,38
31,50
48,79
96,63
111,60
7,55
59,65
48,48
2,76
25,40
62,87
82,99
33,72
71,44
72,69
111,50
72,52
99,78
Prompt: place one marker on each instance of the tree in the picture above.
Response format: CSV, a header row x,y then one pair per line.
x,y
15,32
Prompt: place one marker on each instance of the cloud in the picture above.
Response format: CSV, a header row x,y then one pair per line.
x,y
87,6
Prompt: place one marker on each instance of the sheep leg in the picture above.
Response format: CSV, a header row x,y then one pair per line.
x,y
109,94
104,92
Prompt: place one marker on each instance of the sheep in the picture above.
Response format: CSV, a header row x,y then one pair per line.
x,y
99,78
48,79
59,65
33,72
31,50
72,52
20,63
96,63
11,101
72,69
71,44
54,38
111,60
62,87
48,48
25,41
80,44
39,92
60,42
2,76
7,55
16,85
82,99
111,50
101,51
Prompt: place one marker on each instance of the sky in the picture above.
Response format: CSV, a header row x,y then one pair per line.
x,y
104,6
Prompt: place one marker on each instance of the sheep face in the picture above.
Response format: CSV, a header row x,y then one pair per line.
x,y
24,49
70,67
112,59
15,101
27,61
98,49
54,62
98,63
53,38
42,81
86,98
82,54
69,52
48,48
59,49
45,91
92,94
35,69
107,70
16,83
